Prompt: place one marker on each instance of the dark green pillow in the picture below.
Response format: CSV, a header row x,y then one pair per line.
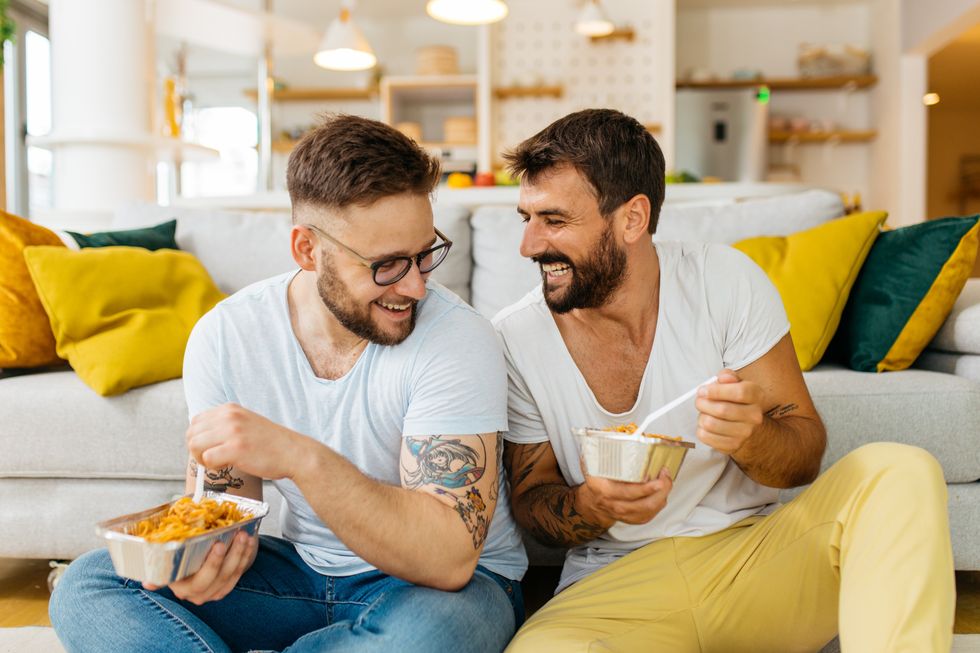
x,y
160,236
906,289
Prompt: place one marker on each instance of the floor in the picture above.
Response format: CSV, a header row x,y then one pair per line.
x,y
24,594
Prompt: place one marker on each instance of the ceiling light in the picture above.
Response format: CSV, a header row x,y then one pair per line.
x,y
593,21
930,99
467,12
343,46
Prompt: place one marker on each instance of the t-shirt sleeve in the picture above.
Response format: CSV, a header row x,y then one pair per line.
x,y
458,382
746,309
525,425
203,386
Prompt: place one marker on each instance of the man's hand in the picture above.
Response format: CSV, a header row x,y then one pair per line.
x,y
220,572
604,501
731,412
232,436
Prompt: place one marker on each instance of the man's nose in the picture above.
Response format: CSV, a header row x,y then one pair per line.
x,y
412,284
532,242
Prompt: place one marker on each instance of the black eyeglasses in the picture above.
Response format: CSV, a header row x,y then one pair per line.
x,y
391,270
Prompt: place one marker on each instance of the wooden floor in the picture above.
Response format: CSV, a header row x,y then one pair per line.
x,y
24,594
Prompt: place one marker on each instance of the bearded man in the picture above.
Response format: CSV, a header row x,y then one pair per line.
x,y
621,326
328,380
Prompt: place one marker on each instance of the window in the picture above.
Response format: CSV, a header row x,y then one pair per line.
x,y
233,131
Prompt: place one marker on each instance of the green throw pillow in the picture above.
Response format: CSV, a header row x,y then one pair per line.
x,y
905,291
160,236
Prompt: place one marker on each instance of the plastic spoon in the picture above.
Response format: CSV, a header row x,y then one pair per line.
x,y
199,484
674,404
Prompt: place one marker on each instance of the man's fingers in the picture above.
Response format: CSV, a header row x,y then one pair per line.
x,y
193,588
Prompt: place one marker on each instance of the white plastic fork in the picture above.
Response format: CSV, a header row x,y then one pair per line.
x,y
199,484
674,404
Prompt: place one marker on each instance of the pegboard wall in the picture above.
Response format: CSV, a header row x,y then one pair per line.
x,y
538,45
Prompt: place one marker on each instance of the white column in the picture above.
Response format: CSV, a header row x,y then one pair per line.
x,y
102,57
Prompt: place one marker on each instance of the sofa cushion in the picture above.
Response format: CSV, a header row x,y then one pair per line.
x,y
121,315
905,290
26,339
814,271
240,248
237,248
961,331
729,221
938,412
965,365
52,425
159,236
501,275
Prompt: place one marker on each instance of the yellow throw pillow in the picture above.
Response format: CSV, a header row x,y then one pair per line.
x,y
25,335
121,315
814,271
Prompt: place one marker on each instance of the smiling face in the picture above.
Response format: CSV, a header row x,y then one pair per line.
x,y
581,263
398,225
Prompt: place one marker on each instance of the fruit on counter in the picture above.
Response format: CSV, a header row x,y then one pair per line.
x,y
484,179
504,178
682,177
459,180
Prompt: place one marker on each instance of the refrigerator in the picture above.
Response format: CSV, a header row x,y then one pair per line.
x,y
723,133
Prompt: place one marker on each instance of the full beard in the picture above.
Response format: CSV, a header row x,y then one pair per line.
x,y
358,319
593,281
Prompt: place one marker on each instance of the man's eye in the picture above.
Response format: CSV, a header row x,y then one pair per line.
x,y
552,223
524,218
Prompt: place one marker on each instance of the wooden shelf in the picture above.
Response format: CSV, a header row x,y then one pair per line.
x,y
507,92
318,94
789,83
653,127
838,136
283,145
624,33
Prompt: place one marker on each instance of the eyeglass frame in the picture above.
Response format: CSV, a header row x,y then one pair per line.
x,y
375,265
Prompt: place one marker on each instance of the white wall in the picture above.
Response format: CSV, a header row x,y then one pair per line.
x,y
538,42
929,24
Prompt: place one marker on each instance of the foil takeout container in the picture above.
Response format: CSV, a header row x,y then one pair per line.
x,y
627,456
161,563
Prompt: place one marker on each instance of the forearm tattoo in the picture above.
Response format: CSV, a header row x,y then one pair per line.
x,y
547,510
218,480
781,411
454,468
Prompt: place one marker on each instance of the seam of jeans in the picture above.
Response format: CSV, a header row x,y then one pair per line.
x,y
147,596
360,603
280,596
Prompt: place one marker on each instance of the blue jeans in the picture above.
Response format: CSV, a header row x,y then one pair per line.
x,y
282,604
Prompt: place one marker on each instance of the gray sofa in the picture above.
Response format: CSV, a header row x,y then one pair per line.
x,y
70,458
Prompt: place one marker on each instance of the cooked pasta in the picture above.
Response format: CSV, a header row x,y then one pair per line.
x,y
185,519
631,428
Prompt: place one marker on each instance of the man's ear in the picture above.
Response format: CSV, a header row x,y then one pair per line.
x,y
301,242
636,218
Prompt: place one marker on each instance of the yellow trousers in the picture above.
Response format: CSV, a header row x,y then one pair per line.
x,y
864,551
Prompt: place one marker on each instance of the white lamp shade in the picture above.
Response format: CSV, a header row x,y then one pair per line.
x,y
467,12
344,47
593,21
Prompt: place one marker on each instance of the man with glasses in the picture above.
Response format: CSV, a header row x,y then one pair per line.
x,y
372,398
619,327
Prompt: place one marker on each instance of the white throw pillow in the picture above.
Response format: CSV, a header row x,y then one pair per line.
x,y
455,271
501,275
729,221
960,333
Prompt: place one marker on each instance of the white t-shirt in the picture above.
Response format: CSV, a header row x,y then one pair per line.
x,y
447,378
717,309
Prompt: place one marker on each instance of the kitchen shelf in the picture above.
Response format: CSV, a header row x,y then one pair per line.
x,y
507,92
318,94
788,83
838,136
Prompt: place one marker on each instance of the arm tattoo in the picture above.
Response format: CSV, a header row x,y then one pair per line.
x,y
443,461
451,465
218,480
547,510
781,411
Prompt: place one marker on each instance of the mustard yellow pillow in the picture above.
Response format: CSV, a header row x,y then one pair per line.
x,y
121,315
814,271
25,335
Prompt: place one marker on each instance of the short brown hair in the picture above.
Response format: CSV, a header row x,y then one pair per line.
x,y
614,152
352,160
